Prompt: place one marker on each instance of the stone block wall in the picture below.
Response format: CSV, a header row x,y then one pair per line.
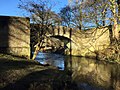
x,y
87,43
84,43
15,36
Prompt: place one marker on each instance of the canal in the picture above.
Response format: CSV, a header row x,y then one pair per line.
x,y
88,74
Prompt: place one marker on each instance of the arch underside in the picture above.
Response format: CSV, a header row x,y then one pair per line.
x,y
57,44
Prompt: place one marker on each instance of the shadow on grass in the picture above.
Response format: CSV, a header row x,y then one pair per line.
x,y
9,55
49,79
18,75
10,64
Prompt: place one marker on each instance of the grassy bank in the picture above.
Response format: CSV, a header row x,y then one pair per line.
x,y
21,74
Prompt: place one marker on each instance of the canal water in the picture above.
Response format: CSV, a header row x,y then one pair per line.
x,y
88,74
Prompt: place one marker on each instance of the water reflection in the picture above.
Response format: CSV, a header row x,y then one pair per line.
x,y
51,59
88,74
100,74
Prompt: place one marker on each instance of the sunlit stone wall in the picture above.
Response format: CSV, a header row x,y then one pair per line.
x,y
15,35
86,42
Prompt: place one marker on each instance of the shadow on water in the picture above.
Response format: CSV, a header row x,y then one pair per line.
x,y
88,74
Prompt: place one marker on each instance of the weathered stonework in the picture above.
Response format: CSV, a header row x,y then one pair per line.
x,y
84,43
15,35
87,43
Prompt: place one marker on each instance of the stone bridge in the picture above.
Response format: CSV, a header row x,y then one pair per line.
x,y
15,38
79,43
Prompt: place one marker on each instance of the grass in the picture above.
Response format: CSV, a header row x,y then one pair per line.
x,y
20,74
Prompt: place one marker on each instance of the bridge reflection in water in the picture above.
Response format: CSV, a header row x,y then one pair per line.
x,y
89,74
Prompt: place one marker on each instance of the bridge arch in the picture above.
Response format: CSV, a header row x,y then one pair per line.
x,y
62,38
57,44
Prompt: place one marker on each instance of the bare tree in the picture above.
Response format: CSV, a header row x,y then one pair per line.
x,y
66,16
84,13
101,12
113,6
42,16
71,15
118,3
78,15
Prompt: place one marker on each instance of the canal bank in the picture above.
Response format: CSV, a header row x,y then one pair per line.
x,y
78,73
21,74
87,73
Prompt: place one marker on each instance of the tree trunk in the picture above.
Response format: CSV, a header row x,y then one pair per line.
x,y
115,30
115,25
37,48
118,2
80,23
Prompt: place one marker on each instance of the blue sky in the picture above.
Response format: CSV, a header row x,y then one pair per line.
x,y
9,7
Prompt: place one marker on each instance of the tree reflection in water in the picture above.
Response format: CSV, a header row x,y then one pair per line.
x,y
88,74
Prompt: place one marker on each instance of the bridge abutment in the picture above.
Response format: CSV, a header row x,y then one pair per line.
x,y
15,36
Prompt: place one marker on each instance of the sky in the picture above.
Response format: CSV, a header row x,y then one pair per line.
x,y
10,7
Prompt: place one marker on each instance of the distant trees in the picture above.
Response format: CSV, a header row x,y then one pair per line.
x,y
84,14
113,7
66,16
118,3
71,16
93,13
